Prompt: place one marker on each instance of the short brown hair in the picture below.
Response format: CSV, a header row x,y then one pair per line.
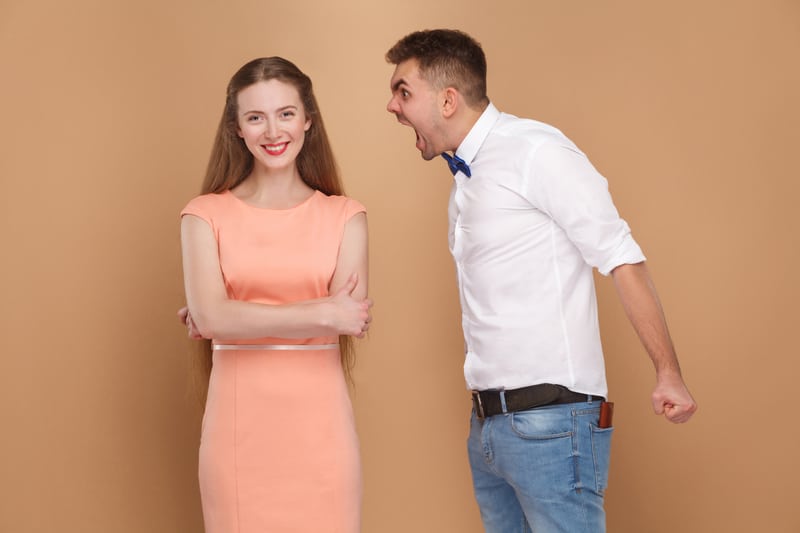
x,y
447,58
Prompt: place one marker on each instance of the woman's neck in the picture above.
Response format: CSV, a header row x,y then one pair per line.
x,y
273,189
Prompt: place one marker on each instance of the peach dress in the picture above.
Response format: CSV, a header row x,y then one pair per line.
x,y
279,450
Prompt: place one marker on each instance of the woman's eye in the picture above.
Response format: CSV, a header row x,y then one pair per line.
x,y
287,114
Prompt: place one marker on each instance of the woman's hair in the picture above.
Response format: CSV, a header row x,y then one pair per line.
x,y
447,58
231,162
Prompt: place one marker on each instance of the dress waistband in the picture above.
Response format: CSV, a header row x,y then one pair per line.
x,y
219,347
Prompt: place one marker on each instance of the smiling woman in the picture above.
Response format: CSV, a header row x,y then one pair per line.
x,y
275,271
274,135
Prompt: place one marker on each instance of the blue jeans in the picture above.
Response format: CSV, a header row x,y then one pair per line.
x,y
543,470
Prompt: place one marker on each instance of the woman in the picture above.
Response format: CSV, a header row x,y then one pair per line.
x,y
275,270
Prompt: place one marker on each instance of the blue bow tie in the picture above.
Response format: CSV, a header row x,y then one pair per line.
x,y
456,163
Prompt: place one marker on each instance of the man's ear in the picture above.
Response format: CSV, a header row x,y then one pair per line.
x,y
451,100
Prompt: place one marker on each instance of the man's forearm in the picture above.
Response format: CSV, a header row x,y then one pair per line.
x,y
640,300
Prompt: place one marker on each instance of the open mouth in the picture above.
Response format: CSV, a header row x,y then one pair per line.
x,y
275,149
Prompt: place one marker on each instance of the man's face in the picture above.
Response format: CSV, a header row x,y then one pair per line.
x,y
417,104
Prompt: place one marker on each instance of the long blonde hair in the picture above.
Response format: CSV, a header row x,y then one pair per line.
x,y
231,162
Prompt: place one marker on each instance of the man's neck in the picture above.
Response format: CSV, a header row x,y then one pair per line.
x,y
463,123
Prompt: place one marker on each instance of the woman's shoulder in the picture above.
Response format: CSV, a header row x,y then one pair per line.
x,y
207,204
340,203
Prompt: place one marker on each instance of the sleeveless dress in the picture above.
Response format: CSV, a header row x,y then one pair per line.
x,y
278,450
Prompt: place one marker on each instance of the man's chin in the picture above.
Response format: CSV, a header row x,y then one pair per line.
x,y
427,156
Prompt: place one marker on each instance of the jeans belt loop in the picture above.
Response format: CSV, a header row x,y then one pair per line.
x,y
503,406
476,400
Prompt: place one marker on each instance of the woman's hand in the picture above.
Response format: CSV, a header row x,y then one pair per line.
x,y
347,315
186,319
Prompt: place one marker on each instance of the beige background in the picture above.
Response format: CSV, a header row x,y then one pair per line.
x,y
108,111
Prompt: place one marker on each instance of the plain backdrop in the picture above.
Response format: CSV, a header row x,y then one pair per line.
x,y
108,108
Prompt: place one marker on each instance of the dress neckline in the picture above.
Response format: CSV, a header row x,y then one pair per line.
x,y
273,209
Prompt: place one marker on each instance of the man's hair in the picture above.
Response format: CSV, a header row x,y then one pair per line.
x,y
447,58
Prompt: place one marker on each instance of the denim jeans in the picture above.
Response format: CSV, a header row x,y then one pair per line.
x,y
543,470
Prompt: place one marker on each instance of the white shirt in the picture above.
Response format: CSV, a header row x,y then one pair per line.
x,y
525,232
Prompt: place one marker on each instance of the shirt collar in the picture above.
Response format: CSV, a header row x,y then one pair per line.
x,y
469,147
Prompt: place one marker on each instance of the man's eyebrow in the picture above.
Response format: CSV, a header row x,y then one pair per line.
x,y
396,85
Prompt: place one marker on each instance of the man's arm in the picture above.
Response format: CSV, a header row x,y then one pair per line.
x,y
638,294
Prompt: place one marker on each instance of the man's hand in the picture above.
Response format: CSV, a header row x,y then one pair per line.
x,y
672,399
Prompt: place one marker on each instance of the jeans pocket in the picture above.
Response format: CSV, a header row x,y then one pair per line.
x,y
601,456
541,424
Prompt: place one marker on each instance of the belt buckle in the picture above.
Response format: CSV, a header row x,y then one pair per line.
x,y
476,402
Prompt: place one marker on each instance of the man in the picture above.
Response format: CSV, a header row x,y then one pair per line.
x,y
529,218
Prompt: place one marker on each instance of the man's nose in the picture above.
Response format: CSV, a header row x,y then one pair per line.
x,y
391,106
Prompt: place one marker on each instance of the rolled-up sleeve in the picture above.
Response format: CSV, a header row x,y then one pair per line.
x,y
563,183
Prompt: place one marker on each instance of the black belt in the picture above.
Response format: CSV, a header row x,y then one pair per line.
x,y
489,402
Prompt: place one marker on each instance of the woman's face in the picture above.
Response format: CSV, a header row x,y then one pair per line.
x,y
272,122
